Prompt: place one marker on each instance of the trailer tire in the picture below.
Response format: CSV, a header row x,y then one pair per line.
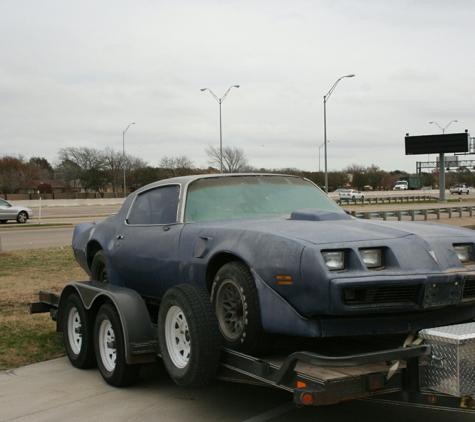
x,y
110,349
234,294
188,335
99,270
78,331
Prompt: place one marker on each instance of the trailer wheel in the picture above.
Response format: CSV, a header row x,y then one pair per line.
x,y
110,349
236,302
188,335
78,327
99,267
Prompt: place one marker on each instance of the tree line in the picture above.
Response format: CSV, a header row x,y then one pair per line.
x,y
94,170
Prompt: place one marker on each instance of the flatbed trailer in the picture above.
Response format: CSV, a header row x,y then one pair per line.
x,y
316,372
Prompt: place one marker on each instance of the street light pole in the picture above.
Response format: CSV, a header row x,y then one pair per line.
x,y
325,99
442,165
319,149
123,155
220,101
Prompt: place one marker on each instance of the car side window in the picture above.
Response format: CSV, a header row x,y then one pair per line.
x,y
156,206
4,203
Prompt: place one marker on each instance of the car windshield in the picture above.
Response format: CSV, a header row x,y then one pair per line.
x,y
249,196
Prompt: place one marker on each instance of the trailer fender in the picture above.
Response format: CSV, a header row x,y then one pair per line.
x,y
140,344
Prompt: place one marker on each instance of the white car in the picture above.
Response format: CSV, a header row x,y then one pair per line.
x,y
9,211
459,189
351,194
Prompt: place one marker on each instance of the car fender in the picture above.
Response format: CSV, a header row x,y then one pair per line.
x,y
278,316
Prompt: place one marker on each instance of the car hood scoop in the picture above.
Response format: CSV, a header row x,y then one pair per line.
x,y
319,215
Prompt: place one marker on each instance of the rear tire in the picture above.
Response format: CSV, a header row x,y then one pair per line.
x,y
99,270
110,349
188,336
78,332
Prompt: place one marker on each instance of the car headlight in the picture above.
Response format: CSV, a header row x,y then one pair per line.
x,y
335,260
371,257
464,252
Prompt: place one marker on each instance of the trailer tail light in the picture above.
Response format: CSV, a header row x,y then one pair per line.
x,y
307,398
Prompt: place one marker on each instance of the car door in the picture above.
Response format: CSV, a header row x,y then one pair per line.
x,y
6,211
145,252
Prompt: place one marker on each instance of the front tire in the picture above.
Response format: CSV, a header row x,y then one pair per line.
x,y
236,302
22,217
110,349
99,270
78,331
188,336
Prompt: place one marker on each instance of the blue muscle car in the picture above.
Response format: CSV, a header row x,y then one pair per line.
x,y
278,256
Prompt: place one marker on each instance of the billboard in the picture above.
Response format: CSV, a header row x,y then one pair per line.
x,y
436,144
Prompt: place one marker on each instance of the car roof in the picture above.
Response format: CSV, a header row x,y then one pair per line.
x,y
185,180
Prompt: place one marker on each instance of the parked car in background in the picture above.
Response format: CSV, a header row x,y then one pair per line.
x,y
8,211
351,194
459,189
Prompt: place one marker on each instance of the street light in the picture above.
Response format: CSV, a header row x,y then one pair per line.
x,y
220,101
123,154
441,128
442,165
325,99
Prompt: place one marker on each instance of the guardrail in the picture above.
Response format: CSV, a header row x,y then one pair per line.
x,y
444,212
388,199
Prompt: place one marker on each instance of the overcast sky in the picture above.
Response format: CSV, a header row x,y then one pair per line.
x,y
76,73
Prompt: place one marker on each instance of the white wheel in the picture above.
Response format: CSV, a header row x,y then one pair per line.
x,y
177,336
107,345
74,330
109,349
77,327
188,335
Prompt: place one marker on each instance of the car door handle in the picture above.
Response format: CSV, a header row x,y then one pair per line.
x,y
120,236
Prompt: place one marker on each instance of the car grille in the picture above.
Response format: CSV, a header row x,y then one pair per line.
x,y
468,290
406,294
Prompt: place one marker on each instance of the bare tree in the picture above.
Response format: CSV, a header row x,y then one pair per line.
x,y
180,166
234,159
88,160
113,162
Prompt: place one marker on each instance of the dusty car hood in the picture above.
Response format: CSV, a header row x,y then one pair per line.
x,y
339,230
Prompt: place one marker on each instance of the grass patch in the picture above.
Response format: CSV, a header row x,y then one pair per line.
x,y
25,338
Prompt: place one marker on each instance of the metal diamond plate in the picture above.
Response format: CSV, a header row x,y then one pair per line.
x,y
455,345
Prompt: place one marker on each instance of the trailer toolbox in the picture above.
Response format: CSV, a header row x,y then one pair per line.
x,y
452,366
